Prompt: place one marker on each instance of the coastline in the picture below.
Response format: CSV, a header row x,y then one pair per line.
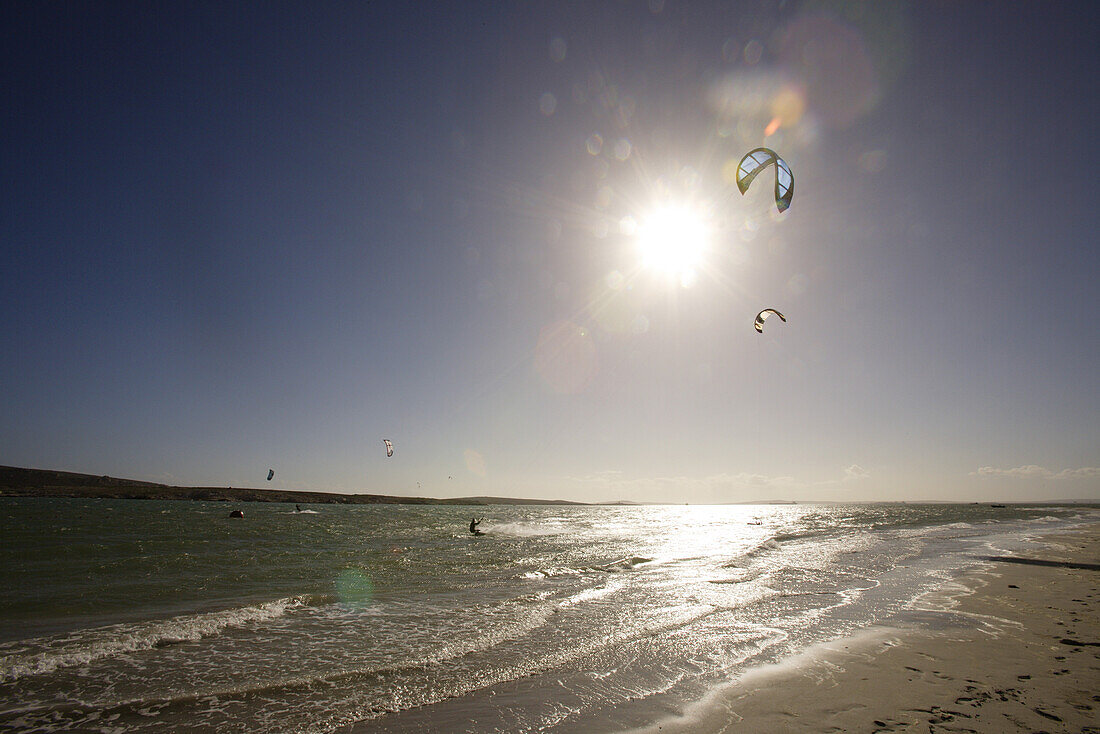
x,y
1011,646
391,619
16,482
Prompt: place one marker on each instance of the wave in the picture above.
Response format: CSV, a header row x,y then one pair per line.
x,y
332,697
527,530
745,576
784,537
623,564
545,573
762,547
45,655
588,595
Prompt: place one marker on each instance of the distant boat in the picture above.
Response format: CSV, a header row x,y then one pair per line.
x,y
997,506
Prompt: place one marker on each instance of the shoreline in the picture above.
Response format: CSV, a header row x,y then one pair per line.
x,y
1009,646
16,482
19,482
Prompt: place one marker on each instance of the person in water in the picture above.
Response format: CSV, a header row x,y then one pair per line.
x,y
473,525
297,508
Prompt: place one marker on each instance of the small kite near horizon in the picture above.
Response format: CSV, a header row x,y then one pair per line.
x,y
270,474
763,315
757,160
389,446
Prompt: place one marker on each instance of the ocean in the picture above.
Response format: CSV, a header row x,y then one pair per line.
x,y
125,616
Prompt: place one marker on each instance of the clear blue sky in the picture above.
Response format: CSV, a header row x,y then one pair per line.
x,y
240,236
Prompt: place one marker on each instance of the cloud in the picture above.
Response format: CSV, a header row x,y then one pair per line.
x,y
1028,470
1039,472
855,471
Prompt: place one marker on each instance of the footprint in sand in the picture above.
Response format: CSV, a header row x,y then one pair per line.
x,y
1052,717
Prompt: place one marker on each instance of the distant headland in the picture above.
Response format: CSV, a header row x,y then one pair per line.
x,y
18,482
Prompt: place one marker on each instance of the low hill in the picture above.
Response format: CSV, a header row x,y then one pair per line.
x,y
19,482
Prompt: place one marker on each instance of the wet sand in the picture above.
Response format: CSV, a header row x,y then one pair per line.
x,y
1013,647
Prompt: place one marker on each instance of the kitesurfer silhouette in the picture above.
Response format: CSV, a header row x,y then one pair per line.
x,y
473,526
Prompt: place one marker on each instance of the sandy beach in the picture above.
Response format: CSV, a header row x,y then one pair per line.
x,y
1013,647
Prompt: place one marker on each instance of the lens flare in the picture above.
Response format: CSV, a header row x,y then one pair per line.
x,y
475,462
353,588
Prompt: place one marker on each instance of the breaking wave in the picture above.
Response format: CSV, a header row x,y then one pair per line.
x,y
45,655
623,564
762,547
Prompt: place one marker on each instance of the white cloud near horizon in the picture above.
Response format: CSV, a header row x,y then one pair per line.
x,y
855,471
1038,472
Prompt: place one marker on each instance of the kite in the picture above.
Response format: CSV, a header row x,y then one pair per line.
x,y
270,474
763,315
757,160
389,446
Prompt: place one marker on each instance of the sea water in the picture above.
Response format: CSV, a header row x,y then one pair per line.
x,y
120,616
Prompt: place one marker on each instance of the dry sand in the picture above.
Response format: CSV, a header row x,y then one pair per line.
x,y
1014,647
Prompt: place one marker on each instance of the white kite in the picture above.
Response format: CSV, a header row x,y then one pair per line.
x,y
757,160
763,315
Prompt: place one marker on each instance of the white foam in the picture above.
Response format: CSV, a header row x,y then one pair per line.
x,y
589,595
830,655
526,529
45,655
763,547
545,573
622,564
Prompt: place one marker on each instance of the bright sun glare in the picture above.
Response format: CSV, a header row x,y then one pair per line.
x,y
673,241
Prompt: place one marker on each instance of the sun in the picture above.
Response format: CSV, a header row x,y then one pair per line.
x,y
673,240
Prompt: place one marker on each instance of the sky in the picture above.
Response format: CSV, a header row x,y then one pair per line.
x,y
242,236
